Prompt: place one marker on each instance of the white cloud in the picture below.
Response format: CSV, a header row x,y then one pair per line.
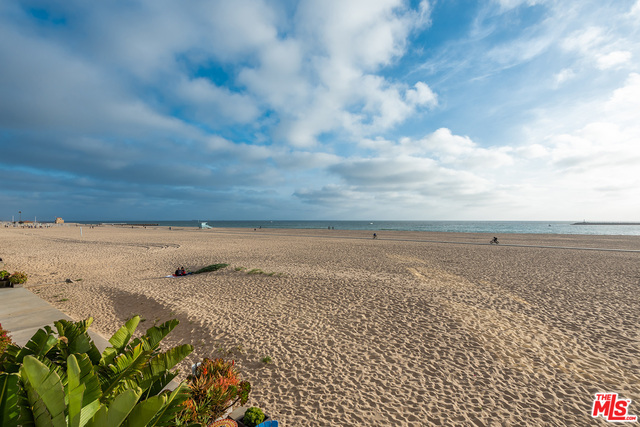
x,y
421,95
409,175
624,104
512,4
600,47
455,151
363,33
613,59
596,159
329,85
564,75
208,102
532,151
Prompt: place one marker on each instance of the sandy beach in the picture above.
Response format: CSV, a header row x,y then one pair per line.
x,y
412,328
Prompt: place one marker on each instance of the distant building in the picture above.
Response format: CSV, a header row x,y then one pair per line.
x,y
59,220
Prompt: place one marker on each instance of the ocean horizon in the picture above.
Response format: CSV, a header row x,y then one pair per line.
x,y
491,227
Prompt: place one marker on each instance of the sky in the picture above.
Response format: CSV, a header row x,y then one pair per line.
x,y
320,109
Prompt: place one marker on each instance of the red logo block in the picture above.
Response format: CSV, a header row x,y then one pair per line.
x,y
611,408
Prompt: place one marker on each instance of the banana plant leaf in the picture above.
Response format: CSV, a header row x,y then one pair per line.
x,y
39,345
121,406
156,374
83,390
166,417
117,412
125,372
145,411
9,389
155,334
121,338
77,339
44,392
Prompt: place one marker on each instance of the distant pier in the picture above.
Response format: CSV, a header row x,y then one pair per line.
x,y
606,223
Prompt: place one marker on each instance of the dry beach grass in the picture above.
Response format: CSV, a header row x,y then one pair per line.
x,y
409,329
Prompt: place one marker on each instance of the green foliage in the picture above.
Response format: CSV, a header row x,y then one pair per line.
x,y
213,267
9,410
4,275
253,417
18,277
214,387
259,271
60,378
266,359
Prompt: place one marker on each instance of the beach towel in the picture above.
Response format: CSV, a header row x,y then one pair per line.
x,y
173,275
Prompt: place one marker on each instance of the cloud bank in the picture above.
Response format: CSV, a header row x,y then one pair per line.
x,y
383,109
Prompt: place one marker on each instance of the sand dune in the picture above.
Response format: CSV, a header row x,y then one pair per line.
x,y
408,329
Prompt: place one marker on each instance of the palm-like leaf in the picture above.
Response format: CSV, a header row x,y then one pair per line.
x,y
155,334
9,410
83,390
44,391
121,338
89,378
121,406
118,410
125,372
145,411
39,345
75,339
156,374
166,417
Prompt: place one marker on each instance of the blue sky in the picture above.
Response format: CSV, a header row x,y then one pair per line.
x,y
320,109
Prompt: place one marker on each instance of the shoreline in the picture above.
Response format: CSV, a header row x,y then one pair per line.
x,y
397,330
449,227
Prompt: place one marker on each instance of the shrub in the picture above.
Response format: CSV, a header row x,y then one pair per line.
x,y
253,417
18,277
4,275
215,387
213,267
5,340
60,378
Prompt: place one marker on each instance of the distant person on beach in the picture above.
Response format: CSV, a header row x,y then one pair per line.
x,y
494,241
375,236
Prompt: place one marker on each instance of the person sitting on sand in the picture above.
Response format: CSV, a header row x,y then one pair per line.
x,y
495,240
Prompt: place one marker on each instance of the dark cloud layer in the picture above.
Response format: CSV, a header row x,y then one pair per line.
x,y
315,109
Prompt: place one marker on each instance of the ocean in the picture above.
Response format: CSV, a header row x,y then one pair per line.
x,y
491,227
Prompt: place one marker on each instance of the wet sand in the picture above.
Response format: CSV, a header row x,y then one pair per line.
x,y
412,328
